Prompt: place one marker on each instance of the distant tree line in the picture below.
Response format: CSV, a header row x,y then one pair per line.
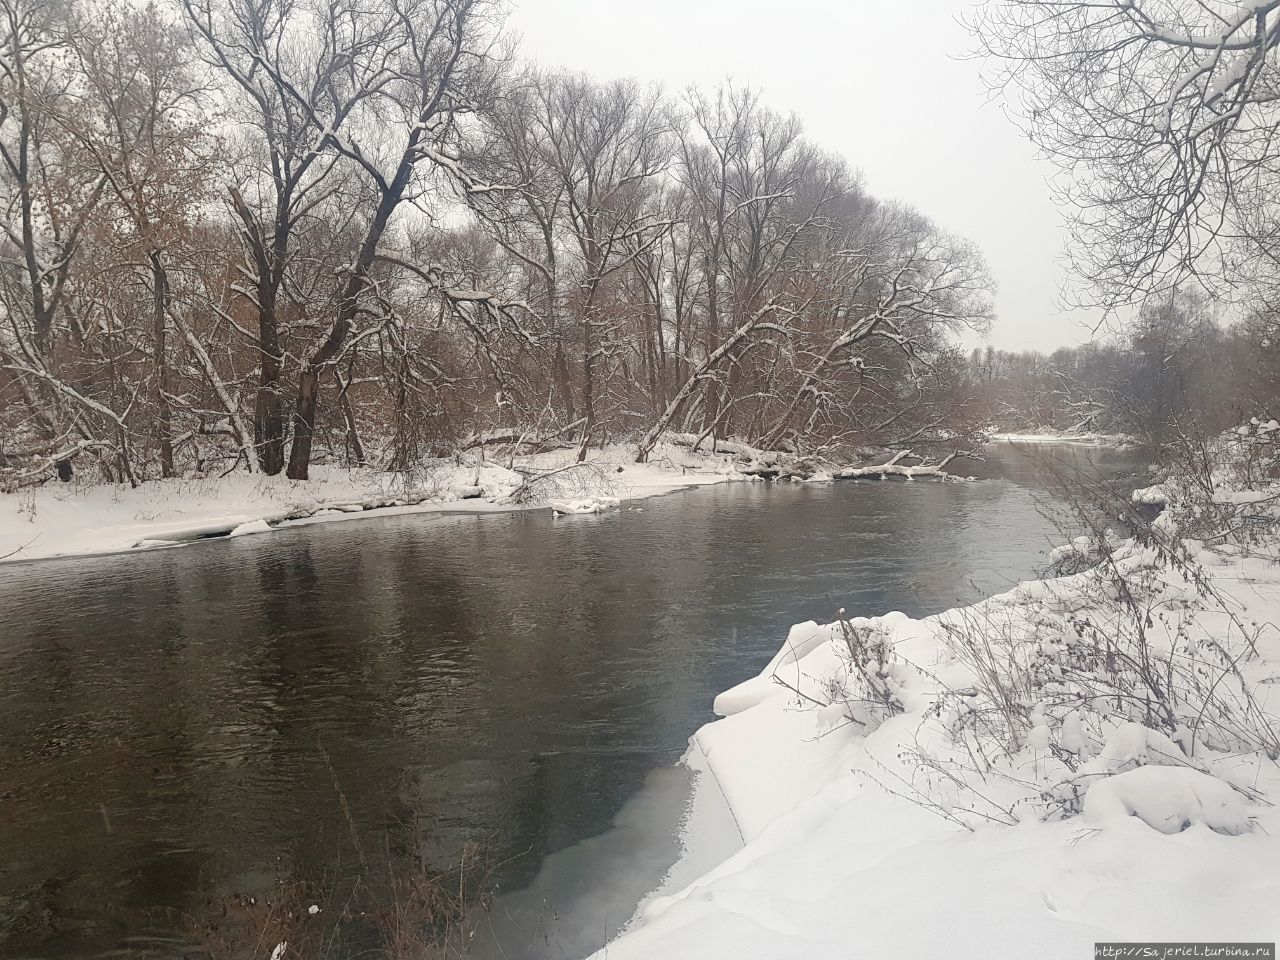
x,y
1160,116
260,234
1174,372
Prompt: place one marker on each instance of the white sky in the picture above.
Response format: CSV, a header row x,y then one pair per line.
x,y
881,83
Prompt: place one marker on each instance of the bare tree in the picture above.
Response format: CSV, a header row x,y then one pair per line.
x,y
296,84
49,193
213,206
1161,116
430,67
742,166
584,159
894,279
144,129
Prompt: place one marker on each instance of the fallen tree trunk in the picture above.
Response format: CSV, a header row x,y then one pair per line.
x,y
753,325
521,438
895,468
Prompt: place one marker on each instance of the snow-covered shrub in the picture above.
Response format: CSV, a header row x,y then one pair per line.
x,y
1224,490
1168,799
866,688
1140,680
1071,686
1081,554
1252,453
1138,661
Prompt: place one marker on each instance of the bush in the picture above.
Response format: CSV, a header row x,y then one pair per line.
x,y
1137,658
871,681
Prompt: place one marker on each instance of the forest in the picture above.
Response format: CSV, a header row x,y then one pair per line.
x,y
1175,372
261,234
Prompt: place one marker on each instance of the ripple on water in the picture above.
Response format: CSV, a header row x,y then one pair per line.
x,y
189,723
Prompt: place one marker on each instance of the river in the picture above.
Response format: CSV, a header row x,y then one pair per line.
x,y
183,725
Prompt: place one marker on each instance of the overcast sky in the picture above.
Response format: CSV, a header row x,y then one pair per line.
x,y
881,83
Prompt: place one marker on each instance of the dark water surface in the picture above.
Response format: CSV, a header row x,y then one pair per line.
x,y
197,722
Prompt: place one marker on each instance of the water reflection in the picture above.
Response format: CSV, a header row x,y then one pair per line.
x,y
187,723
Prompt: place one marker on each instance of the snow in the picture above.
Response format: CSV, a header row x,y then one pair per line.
x,y
81,519
1167,799
842,854
583,505
1087,437
1154,495
253,526
1087,548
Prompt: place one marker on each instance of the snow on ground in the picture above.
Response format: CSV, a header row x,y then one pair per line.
x,y
1090,549
78,519
872,830
1087,826
1049,436
1155,495
583,505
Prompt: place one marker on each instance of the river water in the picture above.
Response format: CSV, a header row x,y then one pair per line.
x,y
179,726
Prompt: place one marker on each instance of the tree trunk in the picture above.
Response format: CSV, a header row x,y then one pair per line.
x,y
349,414
268,419
268,264
564,383
588,391
268,409
304,418
160,302
753,324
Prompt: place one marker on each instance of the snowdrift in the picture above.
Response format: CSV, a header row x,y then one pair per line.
x,y
90,519
889,805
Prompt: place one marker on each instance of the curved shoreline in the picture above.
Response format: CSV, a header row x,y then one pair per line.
x,y
57,522
53,523
838,857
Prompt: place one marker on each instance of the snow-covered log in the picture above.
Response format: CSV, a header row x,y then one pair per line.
x,y
887,470
583,505
895,468
736,447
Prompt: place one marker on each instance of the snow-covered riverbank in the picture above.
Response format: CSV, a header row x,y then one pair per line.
x,y
1090,438
57,520
81,519
896,798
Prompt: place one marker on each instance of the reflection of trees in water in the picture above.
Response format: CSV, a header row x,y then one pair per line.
x,y
513,677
